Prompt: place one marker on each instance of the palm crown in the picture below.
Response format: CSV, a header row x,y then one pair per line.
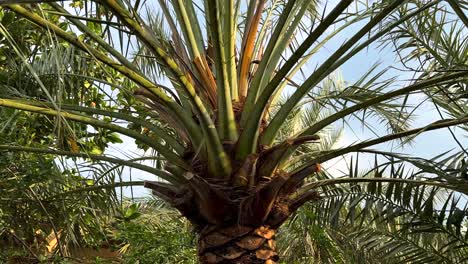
x,y
237,157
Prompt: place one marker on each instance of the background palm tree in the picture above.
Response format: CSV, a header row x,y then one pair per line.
x,y
204,90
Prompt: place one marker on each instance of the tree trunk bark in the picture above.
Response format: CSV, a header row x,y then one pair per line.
x,y
237,245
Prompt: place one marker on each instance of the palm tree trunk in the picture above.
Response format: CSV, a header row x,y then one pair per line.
x,y
237,244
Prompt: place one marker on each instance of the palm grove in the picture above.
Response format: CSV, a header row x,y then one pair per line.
x,y
237,113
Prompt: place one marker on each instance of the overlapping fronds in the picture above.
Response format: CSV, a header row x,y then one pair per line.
x,y
386,221
240,101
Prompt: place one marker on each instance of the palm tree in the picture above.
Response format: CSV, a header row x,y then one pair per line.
x,y
204,90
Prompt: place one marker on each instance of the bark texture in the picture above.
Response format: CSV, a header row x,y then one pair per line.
x,y
236,218
237,245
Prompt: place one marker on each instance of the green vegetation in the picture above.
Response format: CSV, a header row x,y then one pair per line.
x,y
235,107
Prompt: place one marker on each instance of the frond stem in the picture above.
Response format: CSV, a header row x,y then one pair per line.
x,y
160,173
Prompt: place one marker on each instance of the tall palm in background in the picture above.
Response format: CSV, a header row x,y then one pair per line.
x,y
204,83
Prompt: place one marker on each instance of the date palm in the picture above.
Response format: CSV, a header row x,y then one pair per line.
x,y
204,90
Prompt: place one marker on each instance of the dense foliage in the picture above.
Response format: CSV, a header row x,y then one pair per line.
x,y
235,106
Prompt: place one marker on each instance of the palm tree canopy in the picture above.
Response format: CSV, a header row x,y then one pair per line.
x,y
239,108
